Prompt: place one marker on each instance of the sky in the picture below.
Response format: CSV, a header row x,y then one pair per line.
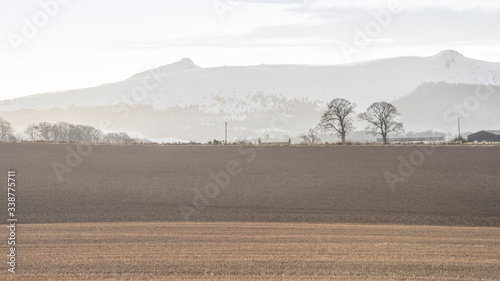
x,y
55,45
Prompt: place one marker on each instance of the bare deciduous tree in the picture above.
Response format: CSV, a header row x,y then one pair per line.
x,y
90,134
118,138
63,132
337,118
382,119
60,131
66,132
6,130
75,133
32,132
45,131
311,137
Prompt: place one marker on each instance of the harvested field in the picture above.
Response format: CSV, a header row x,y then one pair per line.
x,y
255,251
287,213
449,186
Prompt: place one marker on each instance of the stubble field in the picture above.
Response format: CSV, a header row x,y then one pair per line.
x,y
245,213
256,251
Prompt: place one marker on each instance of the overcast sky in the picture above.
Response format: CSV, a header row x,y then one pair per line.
x,y
81,43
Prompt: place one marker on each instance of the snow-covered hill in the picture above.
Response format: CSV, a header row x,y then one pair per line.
x,y
184,83
184,101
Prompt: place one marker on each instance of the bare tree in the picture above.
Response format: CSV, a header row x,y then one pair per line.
x,y
310,137
6,130
89,133
118,138
45,131
31,132
75,133
63,131
337,117
60,131
382,119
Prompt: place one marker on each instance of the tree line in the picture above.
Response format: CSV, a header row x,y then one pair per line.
x,y
382,119
64,132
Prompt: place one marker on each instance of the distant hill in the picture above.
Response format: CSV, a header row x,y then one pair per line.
x,y
436,106
186,101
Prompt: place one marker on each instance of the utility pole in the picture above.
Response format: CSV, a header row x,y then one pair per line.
x,y
225,138
459,128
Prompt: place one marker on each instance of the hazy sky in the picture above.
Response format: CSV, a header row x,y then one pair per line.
x,y
50,45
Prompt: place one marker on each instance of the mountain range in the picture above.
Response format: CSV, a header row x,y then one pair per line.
x,y
185,101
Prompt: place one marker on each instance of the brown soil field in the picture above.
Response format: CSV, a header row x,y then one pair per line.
x,y
254,251
457,185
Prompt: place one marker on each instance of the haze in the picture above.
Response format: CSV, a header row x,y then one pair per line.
x,y
88,43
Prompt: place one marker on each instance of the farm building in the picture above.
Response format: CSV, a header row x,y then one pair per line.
x,y
488,136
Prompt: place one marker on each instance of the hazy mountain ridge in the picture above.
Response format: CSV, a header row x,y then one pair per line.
x,y
437,106
259,115
186,101
185,83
